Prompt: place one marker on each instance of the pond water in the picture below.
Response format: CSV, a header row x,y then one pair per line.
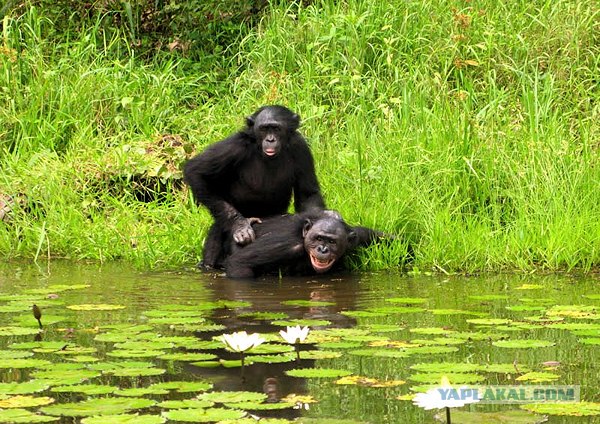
x,y
118,342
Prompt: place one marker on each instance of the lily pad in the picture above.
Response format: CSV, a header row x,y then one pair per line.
x,y
125,419
317,373
23,363
233,397
446,367
357,380
183,386
18,331
578,409
25,401
140,391
498,417
523,344
90,407
95,307
455,378
203,415
255,406
23,416
11,354
406,300
135,353
60,376
155,344
136,372
188,356
489,321
26,387
538,377
86,389
319,354
186,403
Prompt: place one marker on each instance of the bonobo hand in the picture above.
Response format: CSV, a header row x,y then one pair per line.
x,y
242,230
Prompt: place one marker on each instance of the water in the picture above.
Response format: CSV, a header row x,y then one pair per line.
x,y
429,311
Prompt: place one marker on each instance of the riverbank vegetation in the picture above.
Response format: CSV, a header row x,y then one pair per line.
x,y
471,128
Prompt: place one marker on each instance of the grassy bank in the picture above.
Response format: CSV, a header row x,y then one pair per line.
x,y
471,128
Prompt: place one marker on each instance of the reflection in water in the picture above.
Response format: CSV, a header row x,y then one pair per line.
x,y
446,302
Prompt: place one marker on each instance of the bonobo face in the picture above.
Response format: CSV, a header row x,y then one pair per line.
x,y
272,126
325,241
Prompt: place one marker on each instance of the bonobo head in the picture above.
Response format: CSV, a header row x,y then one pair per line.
x,y
326,239
272,127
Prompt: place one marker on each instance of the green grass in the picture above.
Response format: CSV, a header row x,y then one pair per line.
x,y
470,129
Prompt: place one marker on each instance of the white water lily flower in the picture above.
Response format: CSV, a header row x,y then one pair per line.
x,y
443,396
242,341
295,334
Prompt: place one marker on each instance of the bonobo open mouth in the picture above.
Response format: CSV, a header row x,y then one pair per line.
x,y
321,265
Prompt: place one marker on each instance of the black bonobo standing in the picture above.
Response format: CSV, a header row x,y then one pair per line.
x,y
252,174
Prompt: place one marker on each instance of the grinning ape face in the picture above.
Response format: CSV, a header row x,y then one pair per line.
x,y
272,127
326,240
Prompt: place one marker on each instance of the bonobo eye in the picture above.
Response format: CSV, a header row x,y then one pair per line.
x,y
319,238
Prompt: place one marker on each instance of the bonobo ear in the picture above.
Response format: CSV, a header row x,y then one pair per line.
x,y
250,121
307,226
352,238
295,122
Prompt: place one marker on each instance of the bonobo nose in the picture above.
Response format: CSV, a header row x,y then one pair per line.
x,y
322,249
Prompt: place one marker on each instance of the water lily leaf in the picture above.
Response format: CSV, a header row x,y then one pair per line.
x,y
406,300
186,403
486,297
23,363
99,406
588,341
125,419
489,321
188,356
18,331
302,323
206,364
529,287
255,406
23,416
368,382
523,344
203,415
86,389
108,367
155,344
61,376
270,348
363,314
479,336
430,330
74,350
577,409
183,386
455,378
82,359
160,313
438,341
397,310
135,353
538,377
200,328
319,354
11,354
136,372
95,307
543,319
273,359
522,308
573,311
25,401
233,397
456,312
177,320
587,333
15,308
317,373
140,391
340,345
307,303
498,417
574,326
505,368
382,328
430,350
380,353
29,320
26,387
446,367
265,316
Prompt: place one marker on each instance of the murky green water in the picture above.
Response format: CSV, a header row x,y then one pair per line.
x,y
390,323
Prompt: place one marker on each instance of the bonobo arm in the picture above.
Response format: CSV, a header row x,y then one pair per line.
x,y
365,236
307,193
273,248
206,171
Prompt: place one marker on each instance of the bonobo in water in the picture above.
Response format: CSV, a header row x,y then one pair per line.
x,y
251,174
300,244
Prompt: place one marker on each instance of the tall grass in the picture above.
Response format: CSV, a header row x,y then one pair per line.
x,y
470,129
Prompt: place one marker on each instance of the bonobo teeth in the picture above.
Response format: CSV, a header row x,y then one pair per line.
x,y
321,265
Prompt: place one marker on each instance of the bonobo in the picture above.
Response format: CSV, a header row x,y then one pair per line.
x,y
252,174
300,244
